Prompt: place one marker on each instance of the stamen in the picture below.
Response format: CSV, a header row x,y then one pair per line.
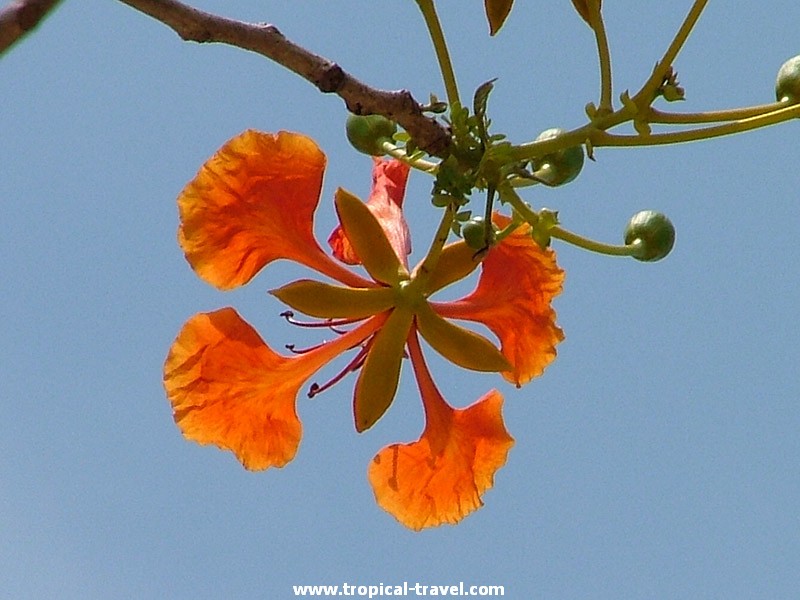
x,y
329,323
291,348
352,366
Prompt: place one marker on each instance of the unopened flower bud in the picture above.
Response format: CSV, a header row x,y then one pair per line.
x,y
368,132
652,233
560,167
475,233
787,84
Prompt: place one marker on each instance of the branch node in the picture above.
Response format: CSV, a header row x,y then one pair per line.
x,y
331,79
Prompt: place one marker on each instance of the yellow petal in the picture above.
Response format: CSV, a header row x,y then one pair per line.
x,y
389,177
456,262
327,301
368,239
458,345
377,382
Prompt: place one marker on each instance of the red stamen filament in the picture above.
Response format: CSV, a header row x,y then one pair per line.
x,y
291,348
329,323
352,366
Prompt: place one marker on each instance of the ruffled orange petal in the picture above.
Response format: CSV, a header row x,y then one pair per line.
x,y
251,203
441,477
513,299
228,388
389,179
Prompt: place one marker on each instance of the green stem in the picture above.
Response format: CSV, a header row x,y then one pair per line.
x,y
594,246
527,214
595,131
522,182
508,194
440,47
736,120
602,138
575,137
648,92
604,55
417,163
714,116
435,251
508,229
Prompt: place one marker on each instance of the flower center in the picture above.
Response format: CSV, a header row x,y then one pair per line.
x,y
409,293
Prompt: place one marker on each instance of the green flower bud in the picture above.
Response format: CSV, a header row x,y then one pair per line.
x,y
474,233
787,84
367,133
560,167
653,234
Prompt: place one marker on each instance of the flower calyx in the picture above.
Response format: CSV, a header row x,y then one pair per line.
x,y
651,234
787,83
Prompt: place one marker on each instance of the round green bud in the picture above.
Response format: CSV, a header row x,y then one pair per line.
x,y
652,233
474,233
787,84
560,167
367,132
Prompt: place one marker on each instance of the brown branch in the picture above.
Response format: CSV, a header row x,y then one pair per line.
x,y
195,25
19,17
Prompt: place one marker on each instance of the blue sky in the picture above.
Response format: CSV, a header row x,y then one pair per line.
x,y
656,458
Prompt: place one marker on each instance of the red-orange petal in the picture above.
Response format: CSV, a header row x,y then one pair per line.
x,y
251,203
441,477
389,179
513,299
424,487
228,388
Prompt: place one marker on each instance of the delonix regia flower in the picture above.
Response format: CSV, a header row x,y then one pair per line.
x,y
252,203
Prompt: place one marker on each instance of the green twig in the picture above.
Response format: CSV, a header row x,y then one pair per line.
x,y
715,116
440,47
604,55
602,138
525,212
594,246
647,94
417,163
435,251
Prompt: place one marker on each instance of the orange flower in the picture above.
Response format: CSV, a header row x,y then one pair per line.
x,y
252,203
